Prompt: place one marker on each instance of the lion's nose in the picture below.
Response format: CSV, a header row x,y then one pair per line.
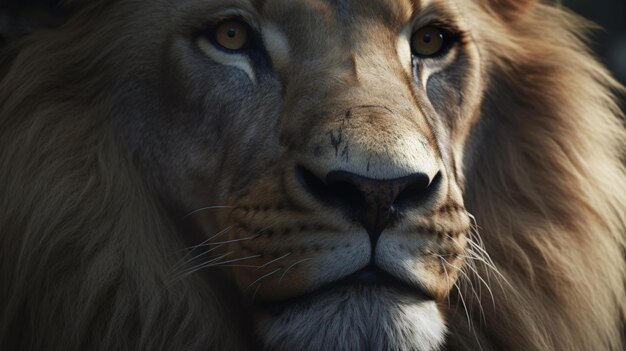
x,y
373,202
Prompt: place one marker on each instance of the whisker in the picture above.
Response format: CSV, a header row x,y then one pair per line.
x,y
263,277
474,257
275,260
191,249
467,315
480,257
471,286
183,261
475,271
476,243
192,269
215,263
204,209
447,278
181,264
232,241
221,264
292,266
259,280
220,233
176,276
239,265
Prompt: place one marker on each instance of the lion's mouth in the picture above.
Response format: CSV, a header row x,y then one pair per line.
x,y
368,276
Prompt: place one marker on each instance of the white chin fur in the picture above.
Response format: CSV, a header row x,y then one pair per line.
x,y
361,318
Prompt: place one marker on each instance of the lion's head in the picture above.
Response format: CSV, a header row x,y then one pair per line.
x,y
310,174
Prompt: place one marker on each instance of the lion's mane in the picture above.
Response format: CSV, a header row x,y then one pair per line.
x,y
546,183
85,246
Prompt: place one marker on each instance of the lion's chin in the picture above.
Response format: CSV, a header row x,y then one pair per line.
x,y
355,318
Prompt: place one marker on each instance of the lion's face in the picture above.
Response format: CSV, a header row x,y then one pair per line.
x,y
319,147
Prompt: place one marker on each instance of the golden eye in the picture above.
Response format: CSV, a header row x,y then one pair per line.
x,y
428,41
231,35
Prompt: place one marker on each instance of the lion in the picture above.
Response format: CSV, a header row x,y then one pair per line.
x,y
311,175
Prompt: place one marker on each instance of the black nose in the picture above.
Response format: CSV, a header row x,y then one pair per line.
x,y
373,202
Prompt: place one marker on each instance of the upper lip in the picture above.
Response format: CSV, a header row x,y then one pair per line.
x,y
370,275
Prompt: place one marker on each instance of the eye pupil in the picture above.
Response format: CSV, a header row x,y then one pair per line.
x,y
231,35
428,41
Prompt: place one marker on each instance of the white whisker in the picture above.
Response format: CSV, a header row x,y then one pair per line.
x,y
292,266
204,209
192,248
262,277
182,263
237,260
274,260
447,278
471,286
232,241
259,281
475,271
215,263
204,264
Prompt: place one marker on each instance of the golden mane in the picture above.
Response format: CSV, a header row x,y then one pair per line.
x,y
85,247
547,188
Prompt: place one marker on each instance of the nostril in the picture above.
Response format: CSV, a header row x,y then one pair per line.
x,y
341,194
375,203
417,192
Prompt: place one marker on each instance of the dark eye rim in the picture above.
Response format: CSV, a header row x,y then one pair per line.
x,y
211,35
254,47
450,39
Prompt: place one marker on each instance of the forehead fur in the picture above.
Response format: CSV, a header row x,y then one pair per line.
x,y
390,12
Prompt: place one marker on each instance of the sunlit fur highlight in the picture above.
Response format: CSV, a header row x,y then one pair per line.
x,y
545,180
85,247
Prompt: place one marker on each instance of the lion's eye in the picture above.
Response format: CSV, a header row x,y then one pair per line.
x,y
231,35
428,41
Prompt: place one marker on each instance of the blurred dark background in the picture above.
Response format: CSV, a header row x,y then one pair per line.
x,y
610,42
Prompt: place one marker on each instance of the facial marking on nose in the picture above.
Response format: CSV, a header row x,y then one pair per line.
x,y
378,198
372,202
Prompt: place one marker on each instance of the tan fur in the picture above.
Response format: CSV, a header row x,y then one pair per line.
x,y
87,249
552,207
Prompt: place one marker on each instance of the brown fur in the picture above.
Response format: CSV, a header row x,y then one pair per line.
x,y
86,245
